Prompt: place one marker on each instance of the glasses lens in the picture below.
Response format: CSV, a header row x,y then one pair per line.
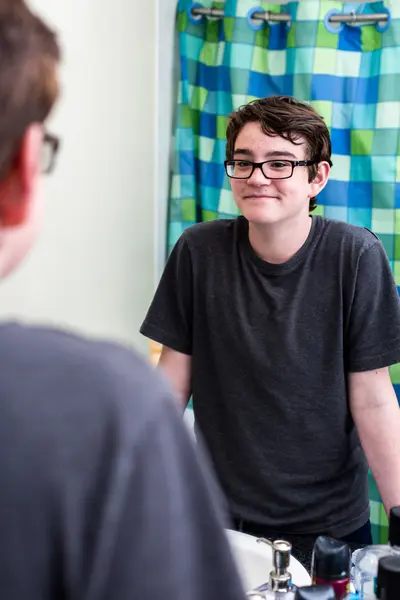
x,y
240,169
46,157
277,169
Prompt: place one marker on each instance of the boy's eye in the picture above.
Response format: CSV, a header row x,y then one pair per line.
x,y
279,164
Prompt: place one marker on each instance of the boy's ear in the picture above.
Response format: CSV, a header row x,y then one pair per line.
x,y
320,180
17,186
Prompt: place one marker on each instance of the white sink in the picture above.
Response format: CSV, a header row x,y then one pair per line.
x,y
254,561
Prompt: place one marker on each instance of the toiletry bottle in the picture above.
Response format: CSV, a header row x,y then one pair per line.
x,y
366,559
280,579
330,565
280,585
388,579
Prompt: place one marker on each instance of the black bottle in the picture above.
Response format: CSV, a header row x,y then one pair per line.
x,y
388,580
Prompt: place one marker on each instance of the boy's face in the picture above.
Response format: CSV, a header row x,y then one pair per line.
x,y
268,201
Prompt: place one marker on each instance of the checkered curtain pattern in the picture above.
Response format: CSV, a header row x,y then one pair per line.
x,y
352,78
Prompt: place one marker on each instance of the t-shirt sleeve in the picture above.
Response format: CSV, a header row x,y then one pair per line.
x,y
373,336
169,318
169,540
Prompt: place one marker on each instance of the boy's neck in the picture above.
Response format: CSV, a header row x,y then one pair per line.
x,y
278,242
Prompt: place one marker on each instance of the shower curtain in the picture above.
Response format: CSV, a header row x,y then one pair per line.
x,y
349,73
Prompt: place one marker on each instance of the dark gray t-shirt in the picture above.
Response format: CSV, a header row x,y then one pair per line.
x,y
272,346
102,496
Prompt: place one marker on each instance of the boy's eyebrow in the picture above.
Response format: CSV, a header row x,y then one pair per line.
x,y
273,153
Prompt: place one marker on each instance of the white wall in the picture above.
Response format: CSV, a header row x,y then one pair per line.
x,y
167,77
93,268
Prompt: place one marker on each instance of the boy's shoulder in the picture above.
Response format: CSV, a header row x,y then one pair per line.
x,y
346,235
210,231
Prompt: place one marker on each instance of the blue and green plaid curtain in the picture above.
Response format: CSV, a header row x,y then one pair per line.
x,y
350,74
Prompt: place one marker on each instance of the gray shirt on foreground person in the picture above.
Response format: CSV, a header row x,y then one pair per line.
x,y
102,493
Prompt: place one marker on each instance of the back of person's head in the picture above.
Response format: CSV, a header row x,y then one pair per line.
x,y
29,57
288,118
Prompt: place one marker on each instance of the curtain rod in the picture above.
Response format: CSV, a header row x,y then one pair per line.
x,y
272,17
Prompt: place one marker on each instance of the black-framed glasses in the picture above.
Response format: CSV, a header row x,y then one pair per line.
x,y
51,146
271,169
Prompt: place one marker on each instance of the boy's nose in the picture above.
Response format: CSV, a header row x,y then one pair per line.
x,y
258,177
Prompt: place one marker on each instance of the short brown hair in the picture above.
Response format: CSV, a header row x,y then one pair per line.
x,y
290,119
29,55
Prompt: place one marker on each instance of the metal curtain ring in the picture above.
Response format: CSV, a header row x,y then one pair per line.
x,y
252,22
332,27
382,26
192,17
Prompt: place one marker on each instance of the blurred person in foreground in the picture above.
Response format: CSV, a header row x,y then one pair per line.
x,y
102,494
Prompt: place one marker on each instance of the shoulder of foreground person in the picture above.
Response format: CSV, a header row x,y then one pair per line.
x,y
105,476
90,372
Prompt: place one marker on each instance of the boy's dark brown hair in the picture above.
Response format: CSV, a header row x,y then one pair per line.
x,y
29,56
289,118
